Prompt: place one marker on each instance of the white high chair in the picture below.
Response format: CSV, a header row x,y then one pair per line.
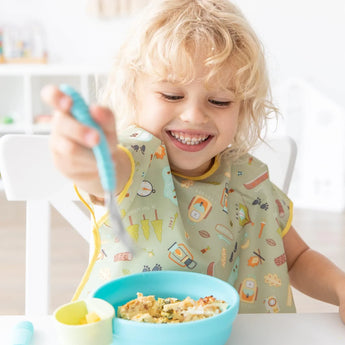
x,y
279,153
29,174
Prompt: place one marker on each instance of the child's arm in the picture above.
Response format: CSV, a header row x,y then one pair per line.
x,y
313,274
71,144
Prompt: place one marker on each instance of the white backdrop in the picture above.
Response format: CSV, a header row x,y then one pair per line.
x,y
304,45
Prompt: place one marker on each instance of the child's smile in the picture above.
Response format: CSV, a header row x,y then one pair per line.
x,y
190,141
194,122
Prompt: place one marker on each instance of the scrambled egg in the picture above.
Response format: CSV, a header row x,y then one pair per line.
x,y
170,310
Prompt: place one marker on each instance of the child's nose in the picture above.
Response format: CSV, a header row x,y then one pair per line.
x,y
194,114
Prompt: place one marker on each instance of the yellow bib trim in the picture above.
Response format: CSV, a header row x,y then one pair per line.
x,y
130,180
289,222
97,241
95,229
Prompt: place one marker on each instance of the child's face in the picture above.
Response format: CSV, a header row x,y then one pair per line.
x,y
194,122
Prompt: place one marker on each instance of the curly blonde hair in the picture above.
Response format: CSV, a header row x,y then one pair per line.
x,y
166,42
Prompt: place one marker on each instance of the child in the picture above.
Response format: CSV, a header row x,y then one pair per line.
x,y
191,95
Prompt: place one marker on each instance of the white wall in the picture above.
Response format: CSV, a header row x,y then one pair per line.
x,y
302,37
72,35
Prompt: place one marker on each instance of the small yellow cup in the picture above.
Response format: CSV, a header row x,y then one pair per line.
x,y
71,332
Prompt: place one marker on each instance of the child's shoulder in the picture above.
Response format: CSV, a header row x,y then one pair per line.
x,y
248,165
250,179
249,174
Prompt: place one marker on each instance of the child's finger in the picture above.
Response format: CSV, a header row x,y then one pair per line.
x,y
56,98
106,119
68,127
73,160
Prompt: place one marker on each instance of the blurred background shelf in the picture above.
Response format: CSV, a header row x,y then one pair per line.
x,y
21,108
11,128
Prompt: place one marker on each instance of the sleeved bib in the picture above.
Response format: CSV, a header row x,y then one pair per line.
x,y
227,223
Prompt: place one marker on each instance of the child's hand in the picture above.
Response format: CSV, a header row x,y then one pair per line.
x,y
71,142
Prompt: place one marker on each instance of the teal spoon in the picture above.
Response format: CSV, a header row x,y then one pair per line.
x,y
105,164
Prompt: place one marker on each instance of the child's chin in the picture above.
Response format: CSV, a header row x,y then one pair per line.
x,y
190,168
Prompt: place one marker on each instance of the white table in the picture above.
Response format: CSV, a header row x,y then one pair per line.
x,y
248,329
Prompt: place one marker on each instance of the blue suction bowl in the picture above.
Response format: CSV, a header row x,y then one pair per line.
x,y
211,331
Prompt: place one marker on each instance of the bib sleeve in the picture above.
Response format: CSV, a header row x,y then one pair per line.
x,y
262,196
142,147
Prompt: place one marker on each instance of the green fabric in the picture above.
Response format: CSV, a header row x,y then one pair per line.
x,y
228,224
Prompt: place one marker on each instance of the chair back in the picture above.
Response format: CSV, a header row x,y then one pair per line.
x,y
279,153
29,175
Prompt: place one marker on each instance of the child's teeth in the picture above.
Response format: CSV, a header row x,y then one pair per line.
x,y
187,140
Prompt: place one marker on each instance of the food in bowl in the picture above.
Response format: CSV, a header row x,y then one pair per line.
x,y
170,310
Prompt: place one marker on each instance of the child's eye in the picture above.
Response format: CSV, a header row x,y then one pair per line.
x,y
171,97
219,103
